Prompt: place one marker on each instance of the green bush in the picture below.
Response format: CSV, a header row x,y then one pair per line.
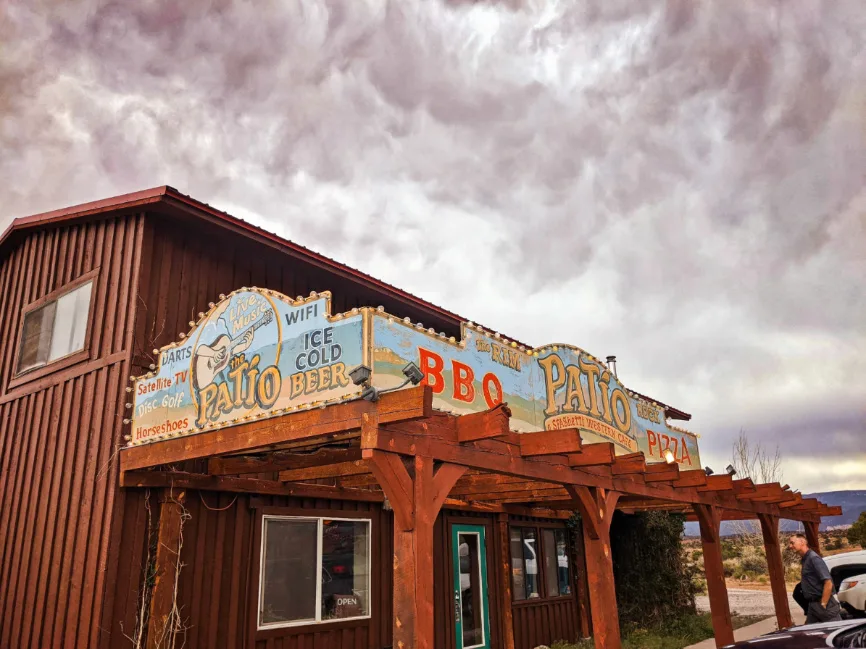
x,y
653,582
857,532
753,560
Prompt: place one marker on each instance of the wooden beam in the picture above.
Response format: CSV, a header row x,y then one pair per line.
x,y
629,464
743,486
279,461
693,478
401,405
596,511
163,621
812,536
720,611
554,469
505,600
717,483
484,425
550,442
182,480
416,499
358,467
776,568
662,472
601,453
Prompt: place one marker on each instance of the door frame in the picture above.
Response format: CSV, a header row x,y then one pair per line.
x,y
479,529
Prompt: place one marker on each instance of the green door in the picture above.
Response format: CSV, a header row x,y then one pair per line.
x,y
470,586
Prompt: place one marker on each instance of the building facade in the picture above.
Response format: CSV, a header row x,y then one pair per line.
x,y
129,520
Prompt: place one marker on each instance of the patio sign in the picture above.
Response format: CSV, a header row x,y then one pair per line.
x,y
552,387
255,354
260,354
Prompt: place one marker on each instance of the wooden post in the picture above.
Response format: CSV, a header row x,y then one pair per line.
x,y
416,499
162,616
596,509
505,603
581,587
812,536
710,520
770,530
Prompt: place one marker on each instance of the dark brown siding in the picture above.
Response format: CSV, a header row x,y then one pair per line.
x,y
58,437
217,583
184,269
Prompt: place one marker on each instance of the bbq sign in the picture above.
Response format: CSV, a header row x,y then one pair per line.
x,y
549,388
255,354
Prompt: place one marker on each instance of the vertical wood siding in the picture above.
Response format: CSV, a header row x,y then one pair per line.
x,y
185,269
58,438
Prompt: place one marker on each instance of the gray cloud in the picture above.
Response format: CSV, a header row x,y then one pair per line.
x,y
680,183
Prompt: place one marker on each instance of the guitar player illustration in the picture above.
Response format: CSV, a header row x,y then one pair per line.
x,y
209,361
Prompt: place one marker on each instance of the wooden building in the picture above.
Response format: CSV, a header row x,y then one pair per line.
x,y
244,507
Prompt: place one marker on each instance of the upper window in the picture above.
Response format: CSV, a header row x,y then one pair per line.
x,y
539,563
55,329
313,570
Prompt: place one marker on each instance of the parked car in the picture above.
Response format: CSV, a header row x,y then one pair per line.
x,y
852,595
845,568
848,633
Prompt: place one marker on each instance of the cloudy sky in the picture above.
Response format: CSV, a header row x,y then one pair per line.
x,y
682,184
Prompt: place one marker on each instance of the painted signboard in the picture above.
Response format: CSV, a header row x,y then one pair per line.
x,y
260,354
552,387
255,354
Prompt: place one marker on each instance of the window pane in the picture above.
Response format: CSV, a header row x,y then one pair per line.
x,y
36,337
345,569
289,571
70,322
562,562
551,572
518,579
530,560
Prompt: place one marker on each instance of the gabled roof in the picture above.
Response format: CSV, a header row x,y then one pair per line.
x,y
170,197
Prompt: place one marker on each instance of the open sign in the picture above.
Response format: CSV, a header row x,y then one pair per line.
x,y
347,606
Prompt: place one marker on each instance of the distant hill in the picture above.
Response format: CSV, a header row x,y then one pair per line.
x,y
852,503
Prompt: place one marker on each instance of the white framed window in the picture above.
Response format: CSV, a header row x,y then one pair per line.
x,y
55,328
313,570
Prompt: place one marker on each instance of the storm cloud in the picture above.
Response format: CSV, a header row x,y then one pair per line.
x,y
679,183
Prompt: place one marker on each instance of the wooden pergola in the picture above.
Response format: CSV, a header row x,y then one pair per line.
x,y
399,449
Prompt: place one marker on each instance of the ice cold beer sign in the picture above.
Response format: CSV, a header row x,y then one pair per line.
x,y
255,354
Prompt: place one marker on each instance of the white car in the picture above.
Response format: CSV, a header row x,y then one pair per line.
x,y
848,571
852,591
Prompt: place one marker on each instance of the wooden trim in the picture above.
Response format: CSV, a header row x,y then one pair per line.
x,y
201,482
316,512
61,377
21,377
413,403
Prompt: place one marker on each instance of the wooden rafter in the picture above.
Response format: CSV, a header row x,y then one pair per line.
x,y
319,423
280,461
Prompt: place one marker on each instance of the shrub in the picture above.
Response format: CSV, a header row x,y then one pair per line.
x,y
754,561
857,532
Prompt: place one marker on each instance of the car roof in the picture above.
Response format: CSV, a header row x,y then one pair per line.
x,y
845,558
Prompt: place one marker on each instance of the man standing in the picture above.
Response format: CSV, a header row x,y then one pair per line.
x,y
816,584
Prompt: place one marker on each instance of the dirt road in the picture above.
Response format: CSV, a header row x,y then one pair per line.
x,y
747,602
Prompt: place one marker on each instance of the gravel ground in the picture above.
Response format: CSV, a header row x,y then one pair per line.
x,y
747,602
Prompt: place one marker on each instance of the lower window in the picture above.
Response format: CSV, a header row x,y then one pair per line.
x,y
539,563
313,570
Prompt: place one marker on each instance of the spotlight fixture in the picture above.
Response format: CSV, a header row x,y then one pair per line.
x,y
708,470
360,375
669,457
730,470
413,373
